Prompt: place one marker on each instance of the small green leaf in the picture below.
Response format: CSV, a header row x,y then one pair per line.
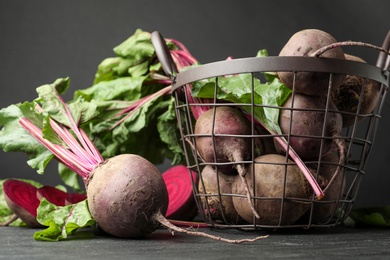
x,y
62,221
167,128
370,216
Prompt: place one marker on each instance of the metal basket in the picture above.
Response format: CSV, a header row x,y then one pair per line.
x,y
358,138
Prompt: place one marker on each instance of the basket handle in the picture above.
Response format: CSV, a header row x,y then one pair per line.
x,y
384,58
163,54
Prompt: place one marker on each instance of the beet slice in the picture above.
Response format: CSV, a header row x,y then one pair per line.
x,y
21,198
52,194
73,198
182,205
59,197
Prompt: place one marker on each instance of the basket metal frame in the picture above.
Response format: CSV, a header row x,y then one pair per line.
x,y
359,137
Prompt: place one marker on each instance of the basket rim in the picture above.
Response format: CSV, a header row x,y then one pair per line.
x,y
278,63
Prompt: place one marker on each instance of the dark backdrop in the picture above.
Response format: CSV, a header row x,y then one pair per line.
x,y
43,40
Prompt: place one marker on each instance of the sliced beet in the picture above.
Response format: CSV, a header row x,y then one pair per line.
x,y
73,198
52,194
21,198
59,197
182,205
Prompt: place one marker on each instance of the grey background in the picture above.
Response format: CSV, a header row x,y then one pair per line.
x,y
43,40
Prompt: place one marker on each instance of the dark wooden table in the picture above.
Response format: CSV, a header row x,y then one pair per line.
x,y
338,243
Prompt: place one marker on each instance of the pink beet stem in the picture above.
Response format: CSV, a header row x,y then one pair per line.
x,y
80,154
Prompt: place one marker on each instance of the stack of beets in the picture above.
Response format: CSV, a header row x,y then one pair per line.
x,y
321,105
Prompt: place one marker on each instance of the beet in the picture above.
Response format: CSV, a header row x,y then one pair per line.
x,y
216,196
52,194
182,205
306,122
226,121
21,198
356,91
305,43
73,198
124,193
274,182
24,198
59,197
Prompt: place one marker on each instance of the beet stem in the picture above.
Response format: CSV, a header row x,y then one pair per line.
x,y
163,221
131,109
65,156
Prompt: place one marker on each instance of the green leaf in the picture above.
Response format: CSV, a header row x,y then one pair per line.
x,y
136,47
369,216
4,210
106,69
167,128
14,138
50,99
124,89
62,221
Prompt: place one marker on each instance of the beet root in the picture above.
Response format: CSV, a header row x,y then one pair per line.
x,y
124,193
306,123
21,198
271,172
305,43
223,149
356,91
217,202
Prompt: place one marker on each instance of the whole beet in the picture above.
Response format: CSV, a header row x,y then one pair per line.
x,y
223,120
215,191
356,91
304,43
272,182
304,118
124,193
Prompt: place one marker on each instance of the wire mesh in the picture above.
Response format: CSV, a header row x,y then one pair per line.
x,y
283,209
280,157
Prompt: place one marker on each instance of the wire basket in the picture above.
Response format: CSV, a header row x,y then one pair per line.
x,y
335,160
